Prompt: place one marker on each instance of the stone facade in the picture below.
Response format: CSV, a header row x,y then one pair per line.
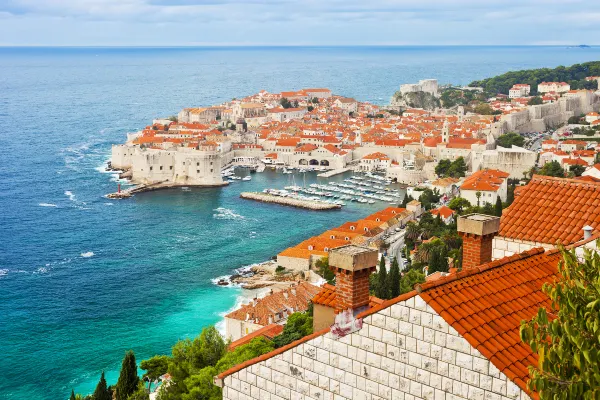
x,y
504,247
403,352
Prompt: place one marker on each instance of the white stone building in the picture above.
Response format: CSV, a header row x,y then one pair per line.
x,y
558,87
490,184
347,104
519,90
425,85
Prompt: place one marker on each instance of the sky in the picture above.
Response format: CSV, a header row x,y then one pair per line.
x,y
297,22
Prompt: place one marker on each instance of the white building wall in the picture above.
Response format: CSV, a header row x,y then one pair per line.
x,y
404,352
505,247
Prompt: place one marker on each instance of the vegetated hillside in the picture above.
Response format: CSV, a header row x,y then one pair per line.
x,y
574,75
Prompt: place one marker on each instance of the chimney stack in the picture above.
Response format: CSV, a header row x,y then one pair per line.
x,y
477,232
352,266
587,232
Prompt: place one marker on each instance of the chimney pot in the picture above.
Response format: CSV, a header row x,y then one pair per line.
x,y
285,294
587,232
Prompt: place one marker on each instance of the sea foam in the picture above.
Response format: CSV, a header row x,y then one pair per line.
x,y
87,254
225,213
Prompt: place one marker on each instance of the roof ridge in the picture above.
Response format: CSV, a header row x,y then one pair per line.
x,y
541,178
478,269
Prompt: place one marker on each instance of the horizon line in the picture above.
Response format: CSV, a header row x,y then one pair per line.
x,y
297,45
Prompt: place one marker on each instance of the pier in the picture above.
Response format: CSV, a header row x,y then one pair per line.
x,y
287,201
333,172
124,194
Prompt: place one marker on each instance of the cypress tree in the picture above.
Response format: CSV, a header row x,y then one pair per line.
x,y
72,395
101,392
434,261
382,284
394,279
128,378
498,207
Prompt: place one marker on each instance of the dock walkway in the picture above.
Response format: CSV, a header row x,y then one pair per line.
x,y
287,201
333,172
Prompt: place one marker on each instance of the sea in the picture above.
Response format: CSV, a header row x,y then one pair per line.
x,y
83,279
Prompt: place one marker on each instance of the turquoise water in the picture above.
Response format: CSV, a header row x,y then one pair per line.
x,y
67,314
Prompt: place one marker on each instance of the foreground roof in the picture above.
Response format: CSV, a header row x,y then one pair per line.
x,y
549,210
486,305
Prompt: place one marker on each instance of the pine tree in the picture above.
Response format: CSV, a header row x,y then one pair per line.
x,y
101,392
382,284
394,279
72,395
498,207
128,378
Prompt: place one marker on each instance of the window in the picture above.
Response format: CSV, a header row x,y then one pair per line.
x,y
150,168
171,167
211,170
211,163
161,167
197,171
197,164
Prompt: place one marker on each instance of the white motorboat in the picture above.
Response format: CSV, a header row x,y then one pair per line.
x,y
247,178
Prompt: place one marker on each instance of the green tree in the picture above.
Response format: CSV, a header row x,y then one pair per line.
x,y
442,168
102,392
310,108
410,279
201,387
568,342
381,290
407,199
458,168
459,204
510,195
257,346
534,101
552,168
478,195
394,279
154,367
577,169
429,198
510,139
140,394
72,395
297,326
483,108
324,271
498,207
128,378
285,103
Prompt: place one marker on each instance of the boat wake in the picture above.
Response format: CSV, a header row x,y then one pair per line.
x,y
87,254
47,205
225,213
3,272
70,195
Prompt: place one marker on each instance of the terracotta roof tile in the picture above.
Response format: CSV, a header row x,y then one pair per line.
x,y
486,304
549,209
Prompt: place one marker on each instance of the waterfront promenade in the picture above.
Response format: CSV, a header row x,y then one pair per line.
x,y
286,201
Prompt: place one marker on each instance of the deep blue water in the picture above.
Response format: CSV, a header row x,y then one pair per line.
x,y
65,317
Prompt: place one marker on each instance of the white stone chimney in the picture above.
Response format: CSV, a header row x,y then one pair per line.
x,y
270,319
293,290
285,294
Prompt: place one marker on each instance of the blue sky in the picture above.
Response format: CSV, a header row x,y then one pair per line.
x,y
297,22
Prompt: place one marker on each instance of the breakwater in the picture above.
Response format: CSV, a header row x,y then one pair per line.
x,y
287,201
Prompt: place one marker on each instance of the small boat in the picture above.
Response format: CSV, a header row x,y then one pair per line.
x,y
247,178
371,202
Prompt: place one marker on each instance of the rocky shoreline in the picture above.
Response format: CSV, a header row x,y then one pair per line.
x,y
260,276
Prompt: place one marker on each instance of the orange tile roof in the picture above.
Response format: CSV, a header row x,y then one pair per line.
x,y
376,156
444,211
549,209
284,300
269,331
486,305
486,180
